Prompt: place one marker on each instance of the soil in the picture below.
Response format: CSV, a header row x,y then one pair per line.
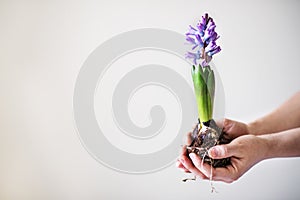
x,y
203,139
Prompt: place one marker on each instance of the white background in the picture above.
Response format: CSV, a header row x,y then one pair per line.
x,y
42,47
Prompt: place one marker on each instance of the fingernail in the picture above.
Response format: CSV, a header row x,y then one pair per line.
x,y
181,160
214,152
192,156
178,163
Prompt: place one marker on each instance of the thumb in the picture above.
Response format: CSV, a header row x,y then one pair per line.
x,y
221,151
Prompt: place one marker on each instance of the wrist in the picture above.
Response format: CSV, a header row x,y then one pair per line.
x,y
258,127
252,128
268,144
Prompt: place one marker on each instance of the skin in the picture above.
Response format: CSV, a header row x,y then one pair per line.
x,y
274,135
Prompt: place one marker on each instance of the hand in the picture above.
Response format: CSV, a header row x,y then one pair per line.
x,y
183,156
245,151
233,130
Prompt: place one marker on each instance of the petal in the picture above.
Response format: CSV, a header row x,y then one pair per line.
x,y
193,56
190,40
204,63
210,23
199,41
192,31
214,51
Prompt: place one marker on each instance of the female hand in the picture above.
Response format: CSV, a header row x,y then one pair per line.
x,y
233,130
245,151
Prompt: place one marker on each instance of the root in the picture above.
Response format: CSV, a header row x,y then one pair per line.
x,y
213,189
198,148
203,158
189,179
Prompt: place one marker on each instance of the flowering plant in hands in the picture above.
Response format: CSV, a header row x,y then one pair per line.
x,y
207,134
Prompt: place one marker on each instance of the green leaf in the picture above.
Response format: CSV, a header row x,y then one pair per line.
x,y
205,73
211,91
201,93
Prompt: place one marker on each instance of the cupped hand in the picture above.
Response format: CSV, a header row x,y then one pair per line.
x,y
233,129
245,151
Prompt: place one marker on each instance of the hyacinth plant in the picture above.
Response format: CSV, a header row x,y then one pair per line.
x,y
207,134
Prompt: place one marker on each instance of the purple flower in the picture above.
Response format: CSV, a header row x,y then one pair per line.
x,y
192,31
203,39
202,24
194,56
212,49
195,40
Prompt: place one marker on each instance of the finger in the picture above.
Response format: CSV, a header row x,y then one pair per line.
x,y
183,150
187,163
217,174
220,123
189,138
235,128
226,174
179,164
222,151
181,167
227,125
204,168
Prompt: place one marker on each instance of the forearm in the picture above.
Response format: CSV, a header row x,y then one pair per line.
x,y
282,144
287,116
